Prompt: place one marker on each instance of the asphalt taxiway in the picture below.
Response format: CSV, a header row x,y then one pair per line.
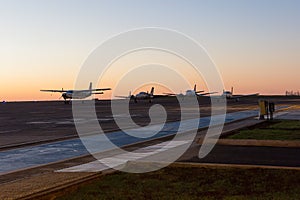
x,y
30,156
34,134
30,123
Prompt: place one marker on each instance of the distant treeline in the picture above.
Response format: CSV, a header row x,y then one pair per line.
x,y
292,93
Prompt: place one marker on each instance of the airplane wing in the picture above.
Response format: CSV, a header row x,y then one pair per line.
x,y
207,93
160,95
246,95
123,97
199,91
170,94
93,90
61,91
100,89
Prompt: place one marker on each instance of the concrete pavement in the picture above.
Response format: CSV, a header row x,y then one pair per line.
x,y
21,158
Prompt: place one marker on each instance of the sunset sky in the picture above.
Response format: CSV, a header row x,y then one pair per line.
x,y
254,43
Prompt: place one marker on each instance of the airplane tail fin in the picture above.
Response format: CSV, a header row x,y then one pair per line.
x,y
195,89
152,91
232,90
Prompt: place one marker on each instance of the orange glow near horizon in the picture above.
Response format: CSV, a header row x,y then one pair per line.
x,y
26,85
30,91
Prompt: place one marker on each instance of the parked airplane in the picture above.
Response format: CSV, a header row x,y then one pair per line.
x,y
78,94
230,95
126,97
191,93
141,95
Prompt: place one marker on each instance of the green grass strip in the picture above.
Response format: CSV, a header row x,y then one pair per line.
x,y
194,183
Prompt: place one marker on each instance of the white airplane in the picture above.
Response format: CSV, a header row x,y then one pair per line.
x,y
141,95
77,94
230,95
191,93
126,97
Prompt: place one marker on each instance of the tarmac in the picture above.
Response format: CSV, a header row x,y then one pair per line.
x,y
33,132
46,181
290,115
31,156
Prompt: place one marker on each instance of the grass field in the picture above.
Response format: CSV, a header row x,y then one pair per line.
x,y
194,183
275,130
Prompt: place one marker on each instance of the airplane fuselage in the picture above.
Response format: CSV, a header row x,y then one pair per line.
x,y
142,95
76,95
227,94
190,93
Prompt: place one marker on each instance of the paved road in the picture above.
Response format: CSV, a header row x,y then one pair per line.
x,y
30,122
26,157
289,115
252,155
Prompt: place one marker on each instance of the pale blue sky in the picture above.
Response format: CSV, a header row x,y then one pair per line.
x,y
44,43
